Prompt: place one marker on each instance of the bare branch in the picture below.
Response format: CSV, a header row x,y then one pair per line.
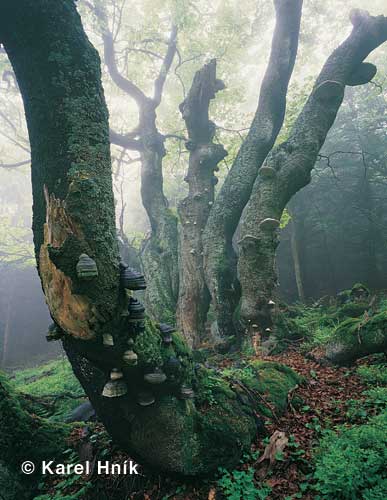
x,y
14,165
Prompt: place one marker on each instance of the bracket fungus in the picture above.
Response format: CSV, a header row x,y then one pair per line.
x,y
145,399
130,358
130,278
166,332
136,310
186,392
116,386
86,267
269,224
107,339
156,377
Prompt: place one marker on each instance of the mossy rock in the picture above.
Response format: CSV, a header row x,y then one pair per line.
x,y
351,310
358,337
25,436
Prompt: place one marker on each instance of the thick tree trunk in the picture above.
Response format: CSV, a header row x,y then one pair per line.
x,y
291,164
58,73
194,298
219,256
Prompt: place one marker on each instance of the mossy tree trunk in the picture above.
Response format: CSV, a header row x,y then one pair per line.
x,y
291,164
204,156
219,257
58,72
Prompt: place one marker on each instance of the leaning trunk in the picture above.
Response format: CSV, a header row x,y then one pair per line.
x,y
288,167
219,257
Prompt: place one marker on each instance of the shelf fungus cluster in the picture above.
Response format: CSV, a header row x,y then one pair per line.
x,y
157,375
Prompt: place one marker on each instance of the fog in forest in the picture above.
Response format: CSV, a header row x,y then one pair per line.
x,y
334,231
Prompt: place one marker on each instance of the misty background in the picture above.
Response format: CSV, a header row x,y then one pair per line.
x,y
335,230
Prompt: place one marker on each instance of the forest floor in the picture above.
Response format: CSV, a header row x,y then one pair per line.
x,y
322,401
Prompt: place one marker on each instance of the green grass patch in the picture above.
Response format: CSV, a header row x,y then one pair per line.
x,y
54,389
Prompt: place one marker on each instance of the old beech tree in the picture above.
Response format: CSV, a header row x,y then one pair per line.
x,y
171,427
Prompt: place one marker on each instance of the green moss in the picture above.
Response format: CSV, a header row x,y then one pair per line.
x,y
25,436
370,330
148,345
50,384
273,381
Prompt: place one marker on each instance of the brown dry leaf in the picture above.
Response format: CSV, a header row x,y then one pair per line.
x,y
212,494
278,442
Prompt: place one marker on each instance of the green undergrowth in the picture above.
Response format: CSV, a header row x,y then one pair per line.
x,y
324,323
51,389
351,462
351,459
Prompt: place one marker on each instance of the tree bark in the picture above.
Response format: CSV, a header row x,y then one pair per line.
x,y
296,230
58,72
219,256
7,325
159,254
194,298
292,162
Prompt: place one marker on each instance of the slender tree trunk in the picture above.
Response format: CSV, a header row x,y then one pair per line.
x,y
58,72
295,248
292,161
7,325
160,251
219,256
194,298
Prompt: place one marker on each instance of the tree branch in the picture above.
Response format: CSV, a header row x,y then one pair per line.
x,y
14,165
125,141
165,67
110,58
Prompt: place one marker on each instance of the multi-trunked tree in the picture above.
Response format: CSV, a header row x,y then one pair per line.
x,y
141,378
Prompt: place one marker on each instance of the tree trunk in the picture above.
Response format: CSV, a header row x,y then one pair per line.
x,y
159,254
219,256
194,298
7,325
291,164
295,236
58,73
